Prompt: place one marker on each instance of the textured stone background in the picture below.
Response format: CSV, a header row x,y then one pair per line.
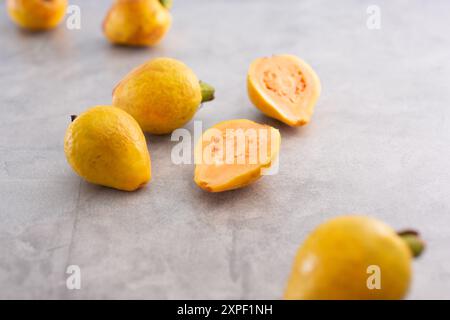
x,y
378,144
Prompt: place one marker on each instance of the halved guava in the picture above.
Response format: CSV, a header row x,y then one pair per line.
x,y
234,153
284,87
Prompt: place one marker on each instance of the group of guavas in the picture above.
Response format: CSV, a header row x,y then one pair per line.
x,y
128,22
164,94
348,257
106,145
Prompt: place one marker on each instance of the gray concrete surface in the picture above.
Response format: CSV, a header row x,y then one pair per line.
x,y
378,144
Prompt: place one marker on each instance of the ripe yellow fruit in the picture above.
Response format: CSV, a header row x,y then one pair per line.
x,y
284,87
106,146
162,95
37,14
340,258
232,154
137,22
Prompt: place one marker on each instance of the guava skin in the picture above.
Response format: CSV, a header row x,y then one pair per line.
x,y
37,15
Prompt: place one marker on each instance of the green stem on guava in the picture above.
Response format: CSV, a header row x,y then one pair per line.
x,y
207,92
73,117
414,242
166,3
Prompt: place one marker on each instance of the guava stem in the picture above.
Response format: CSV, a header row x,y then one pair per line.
x,y
414,242
207,92
73,117
166,3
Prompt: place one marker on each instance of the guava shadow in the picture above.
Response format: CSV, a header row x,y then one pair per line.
x,y
157,140
94,189
26,35
127,48
212,200
285,130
